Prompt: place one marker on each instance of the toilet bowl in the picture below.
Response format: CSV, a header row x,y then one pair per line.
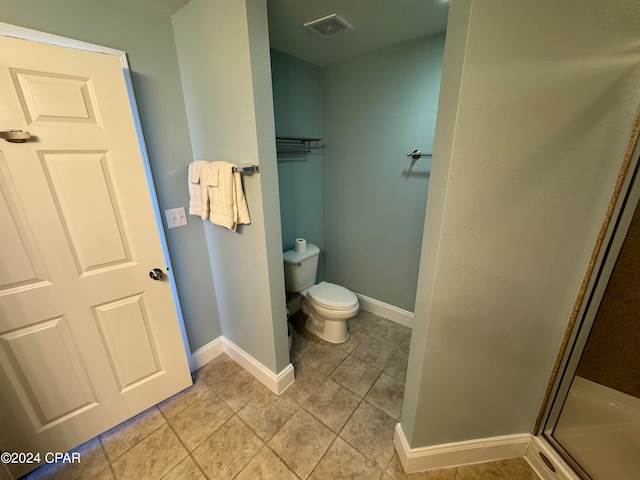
x,y
328,307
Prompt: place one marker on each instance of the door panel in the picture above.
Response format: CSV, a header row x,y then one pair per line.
x,y
48,97
128,340
87,339
94,229
26,267
39,358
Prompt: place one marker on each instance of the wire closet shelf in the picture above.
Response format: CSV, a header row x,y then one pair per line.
x,y
296,145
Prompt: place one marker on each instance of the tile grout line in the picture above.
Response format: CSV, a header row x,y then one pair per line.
x,y
189,453
323,455
299,406
187,450
111,462
104,452
264,444
362,399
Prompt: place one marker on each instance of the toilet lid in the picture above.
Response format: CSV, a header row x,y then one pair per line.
x,y
332,296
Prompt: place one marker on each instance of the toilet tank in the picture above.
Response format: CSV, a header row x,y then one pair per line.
x,y
300,268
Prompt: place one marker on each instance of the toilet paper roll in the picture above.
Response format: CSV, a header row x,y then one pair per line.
x,y
301,245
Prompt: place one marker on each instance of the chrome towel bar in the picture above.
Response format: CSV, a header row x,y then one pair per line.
x,y
416,154
247,169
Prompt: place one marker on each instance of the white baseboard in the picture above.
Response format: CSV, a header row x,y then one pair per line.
x,y
395,314
278,383
562,471
460,453
205,354
368,304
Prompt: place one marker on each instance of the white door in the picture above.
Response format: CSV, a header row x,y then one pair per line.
x,y
87,338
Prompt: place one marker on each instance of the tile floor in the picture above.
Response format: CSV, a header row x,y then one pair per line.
x,y
335,422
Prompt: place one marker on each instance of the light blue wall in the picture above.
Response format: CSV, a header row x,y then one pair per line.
x,y
376,108
533,125
147,37
228,96
359,198
297,98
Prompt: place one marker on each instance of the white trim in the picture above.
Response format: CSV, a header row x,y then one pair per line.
x,y
395,314
8,30
368,304
540,445
133,104
449,455
205,354
277,383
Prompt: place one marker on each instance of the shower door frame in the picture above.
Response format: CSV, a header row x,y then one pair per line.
x,y
616,225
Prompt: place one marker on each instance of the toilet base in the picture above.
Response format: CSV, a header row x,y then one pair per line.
x,y
331,331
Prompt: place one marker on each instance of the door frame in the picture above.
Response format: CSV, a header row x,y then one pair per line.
x,y
624,201
8,30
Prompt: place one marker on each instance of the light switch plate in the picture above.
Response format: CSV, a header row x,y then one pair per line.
x,y
176,217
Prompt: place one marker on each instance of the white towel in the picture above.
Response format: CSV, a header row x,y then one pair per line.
x,y
208,178
228,207
210,174
195,189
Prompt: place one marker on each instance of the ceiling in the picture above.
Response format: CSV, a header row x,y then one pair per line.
x,y
377,24
165,6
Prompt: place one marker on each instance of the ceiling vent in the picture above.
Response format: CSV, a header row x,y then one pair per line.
x,y
328,25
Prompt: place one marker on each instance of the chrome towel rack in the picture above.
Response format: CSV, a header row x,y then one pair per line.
x,y
416,154
247,169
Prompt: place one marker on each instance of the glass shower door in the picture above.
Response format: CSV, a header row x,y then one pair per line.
x,y
597,426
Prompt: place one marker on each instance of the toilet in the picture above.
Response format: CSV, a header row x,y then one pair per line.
x,y
326,305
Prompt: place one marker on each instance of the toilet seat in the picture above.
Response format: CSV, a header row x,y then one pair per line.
x,y
328,307
332,297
